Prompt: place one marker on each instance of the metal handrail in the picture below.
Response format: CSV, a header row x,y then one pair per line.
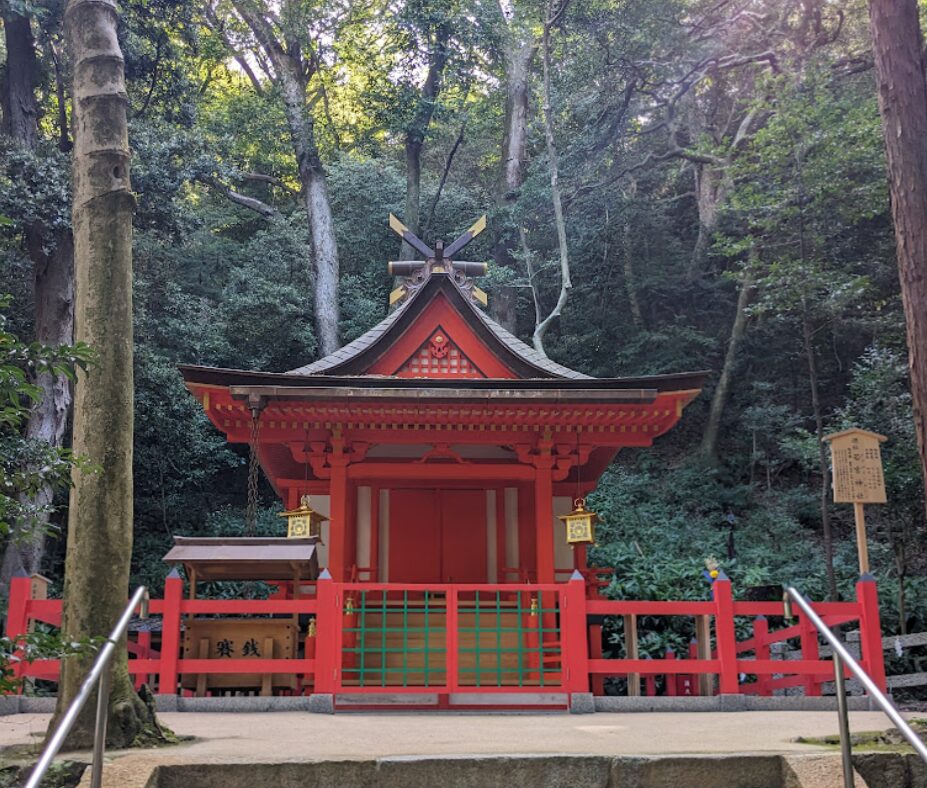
x,y
98,672
843,657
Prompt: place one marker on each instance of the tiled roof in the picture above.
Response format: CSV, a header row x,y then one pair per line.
x,y
527,352
352,349
528,355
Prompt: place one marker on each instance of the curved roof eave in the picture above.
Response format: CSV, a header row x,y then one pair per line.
x,y
358,355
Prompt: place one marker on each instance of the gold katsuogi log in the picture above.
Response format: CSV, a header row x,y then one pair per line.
x,y
239,638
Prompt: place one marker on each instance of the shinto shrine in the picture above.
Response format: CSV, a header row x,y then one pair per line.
x,y
441,447
433,471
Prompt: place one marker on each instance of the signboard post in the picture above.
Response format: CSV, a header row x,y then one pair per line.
x,y
856,460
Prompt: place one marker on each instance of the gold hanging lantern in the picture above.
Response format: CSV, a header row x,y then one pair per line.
x,y
303,521
580,524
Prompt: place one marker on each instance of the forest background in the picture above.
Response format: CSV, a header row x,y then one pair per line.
x,y
670,185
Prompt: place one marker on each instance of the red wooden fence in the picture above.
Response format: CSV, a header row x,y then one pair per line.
x,y
743,666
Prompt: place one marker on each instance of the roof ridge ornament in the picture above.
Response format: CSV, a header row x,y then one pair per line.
x,y
438,260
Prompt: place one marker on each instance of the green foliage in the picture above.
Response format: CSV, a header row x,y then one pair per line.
x,y
37,645
28,465
801,207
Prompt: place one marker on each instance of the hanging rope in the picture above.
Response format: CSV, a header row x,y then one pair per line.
x,y
251,511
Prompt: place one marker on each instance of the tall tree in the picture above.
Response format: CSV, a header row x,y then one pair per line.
x,y
101,505
51,252
294,62
553,16
898,50
434,27
519,47
516,52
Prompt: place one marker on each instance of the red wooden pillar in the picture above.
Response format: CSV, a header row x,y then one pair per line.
x,y
761,652
670,678
532,624
452,641
170,634
328,634
809,650
527,531
374,576
729,682
350,528
650,682
143,651
870,630
338,511
573,634
500,537
595,651
544,516
17,616
692,679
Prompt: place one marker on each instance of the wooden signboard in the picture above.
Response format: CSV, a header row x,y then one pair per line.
x,y
856,460
239,638
857,464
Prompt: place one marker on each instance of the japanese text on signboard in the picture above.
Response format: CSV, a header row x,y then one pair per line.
x,y
857,463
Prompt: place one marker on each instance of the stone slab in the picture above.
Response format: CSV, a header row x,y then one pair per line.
x,y
730,703
243,704
322,703
35,705
582,703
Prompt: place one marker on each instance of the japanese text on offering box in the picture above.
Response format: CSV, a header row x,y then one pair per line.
x,y
857,463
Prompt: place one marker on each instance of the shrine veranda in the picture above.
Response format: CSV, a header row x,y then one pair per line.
x,y
445,456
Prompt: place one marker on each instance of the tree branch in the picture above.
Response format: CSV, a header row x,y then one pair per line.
x,y
252,203
447,168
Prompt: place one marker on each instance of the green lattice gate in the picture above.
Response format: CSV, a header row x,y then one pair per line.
x,y
450,638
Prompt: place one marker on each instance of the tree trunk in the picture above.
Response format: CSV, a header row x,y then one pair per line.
x,y
54,325
99,549
318,210
519,50
325,249
292,79
722,391
566,284
20,107
824,469
630,276
898,50
711,187
416,132
412,209
53,294
518,57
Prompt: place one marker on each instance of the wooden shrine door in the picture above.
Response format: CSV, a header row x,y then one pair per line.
x,y
437,536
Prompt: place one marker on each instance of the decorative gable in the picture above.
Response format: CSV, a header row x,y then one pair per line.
x,y
439,357
441,341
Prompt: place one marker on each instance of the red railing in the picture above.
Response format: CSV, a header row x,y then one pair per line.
x,y
322,666
559,637
726,659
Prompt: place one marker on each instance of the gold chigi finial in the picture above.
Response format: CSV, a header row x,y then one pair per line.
x,y
439,260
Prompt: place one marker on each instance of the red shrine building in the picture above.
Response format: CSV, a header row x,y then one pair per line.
x,y
447,456
442,448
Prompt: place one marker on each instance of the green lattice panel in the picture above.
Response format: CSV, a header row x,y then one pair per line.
x,y
396,641
506,641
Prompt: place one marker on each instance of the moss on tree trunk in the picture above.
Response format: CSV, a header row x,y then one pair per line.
x,y
99,545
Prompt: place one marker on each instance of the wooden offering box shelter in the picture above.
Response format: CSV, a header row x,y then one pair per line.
x,y
289,560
